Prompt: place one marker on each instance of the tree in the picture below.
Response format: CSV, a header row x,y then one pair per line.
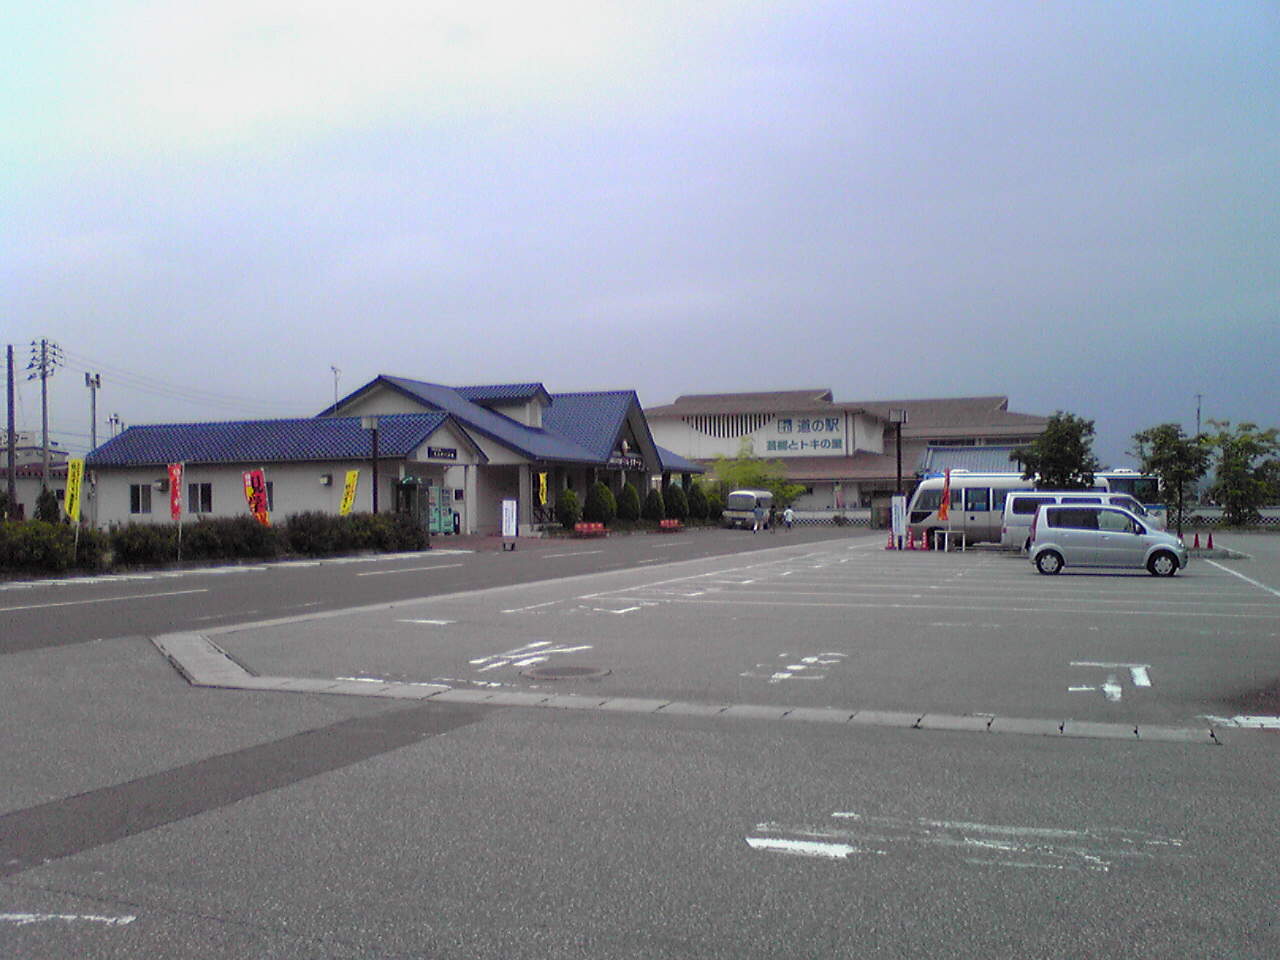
x,y
1178,460
1062,457
1246,468
47,507
746,471
629,503
600,507
654,509
697,502
676,502
567,511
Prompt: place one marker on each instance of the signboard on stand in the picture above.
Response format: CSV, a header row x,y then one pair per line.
x,y
510,525
899,513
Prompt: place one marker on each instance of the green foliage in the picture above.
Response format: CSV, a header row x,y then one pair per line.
x,y
567,510
629,503
47,507
1178,460
749,472
698,505
1062,457
654,508
138,544
715,505
676,502
600,506
1246,468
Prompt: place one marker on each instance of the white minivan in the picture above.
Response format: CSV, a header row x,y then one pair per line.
x,y
1020,509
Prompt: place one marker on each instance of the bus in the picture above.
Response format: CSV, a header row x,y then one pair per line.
x,y
976,506
741,505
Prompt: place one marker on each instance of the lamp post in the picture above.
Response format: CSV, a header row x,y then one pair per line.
x,y
371,424
898,418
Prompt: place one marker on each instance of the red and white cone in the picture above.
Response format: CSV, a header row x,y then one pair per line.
x,y
1196,545
889,545
1210,539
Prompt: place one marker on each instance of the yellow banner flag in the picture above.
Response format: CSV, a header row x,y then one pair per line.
x,y
349,492
542,489
71,500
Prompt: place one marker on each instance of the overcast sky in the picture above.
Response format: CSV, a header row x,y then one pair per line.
x,y
1075,204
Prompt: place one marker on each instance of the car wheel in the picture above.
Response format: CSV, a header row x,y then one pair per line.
x,y
1163,564
1049,562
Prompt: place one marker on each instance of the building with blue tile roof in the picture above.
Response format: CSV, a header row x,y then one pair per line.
x,y
450,455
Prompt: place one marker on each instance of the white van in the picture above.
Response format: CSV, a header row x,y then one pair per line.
x,y
976,504
1020,509
741,505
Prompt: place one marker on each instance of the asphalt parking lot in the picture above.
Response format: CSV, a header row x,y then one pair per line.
x,y
843,624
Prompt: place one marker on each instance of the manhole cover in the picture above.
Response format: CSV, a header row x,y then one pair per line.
x,y
565,673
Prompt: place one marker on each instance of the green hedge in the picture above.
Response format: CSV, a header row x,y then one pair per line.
x,y
38,547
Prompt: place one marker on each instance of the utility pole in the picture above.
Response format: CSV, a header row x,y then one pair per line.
x,y
336,373
1198,399
11,445
94,383
43,364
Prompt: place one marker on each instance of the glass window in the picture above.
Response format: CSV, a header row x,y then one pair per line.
x,y
200,497
928,500
139,498
977,498
1114,522
1074,518
1027,506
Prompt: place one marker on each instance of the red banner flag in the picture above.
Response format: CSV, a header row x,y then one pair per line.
x,y
175,491
944,508
255,492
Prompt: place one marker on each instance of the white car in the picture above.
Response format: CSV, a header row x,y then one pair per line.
x,y
1084,535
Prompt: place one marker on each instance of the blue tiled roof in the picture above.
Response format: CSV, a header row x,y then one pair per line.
x,y
266,441
503,392
532,442
591,420
672,462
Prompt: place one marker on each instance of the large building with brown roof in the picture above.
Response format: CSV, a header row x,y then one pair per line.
x,y
844,453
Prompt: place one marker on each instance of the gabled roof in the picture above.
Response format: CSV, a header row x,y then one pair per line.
x,y
591,420
672,462
535,443
267,441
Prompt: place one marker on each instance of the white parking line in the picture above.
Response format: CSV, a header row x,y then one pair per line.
x,y
1260,586
383,573
77,603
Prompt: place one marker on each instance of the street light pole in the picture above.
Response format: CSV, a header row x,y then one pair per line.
x,y
898,418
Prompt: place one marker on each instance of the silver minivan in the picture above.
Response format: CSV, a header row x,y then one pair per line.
x,y
1085,535
1021,505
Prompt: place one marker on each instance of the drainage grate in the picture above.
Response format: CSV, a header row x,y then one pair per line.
x,y
565,673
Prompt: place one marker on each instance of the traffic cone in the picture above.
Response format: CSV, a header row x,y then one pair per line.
x,y
924,540
1210,539
889,545
1196,544
911,540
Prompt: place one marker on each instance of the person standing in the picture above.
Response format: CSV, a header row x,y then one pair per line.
x,y
788,517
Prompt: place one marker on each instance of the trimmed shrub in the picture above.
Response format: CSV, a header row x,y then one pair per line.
x,y
600,506
676,503
36,545
715,506
312,534
47,507
567,510
654,508
629,503
697,502
144,543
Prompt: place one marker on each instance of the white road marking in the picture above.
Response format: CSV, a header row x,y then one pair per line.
x,y
575,553
1112,690
22,919
383,573
804,848
534,606
1141,678
79,603
1260,586
434,623
1259,723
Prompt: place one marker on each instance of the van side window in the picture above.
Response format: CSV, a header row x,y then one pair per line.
x,y
1027,506
977,498
1074,518
1114,522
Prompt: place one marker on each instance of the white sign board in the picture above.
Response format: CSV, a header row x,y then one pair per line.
x,y
509,527
899,517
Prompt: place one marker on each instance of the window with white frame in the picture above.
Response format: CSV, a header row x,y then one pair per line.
x,y
139,498
200,497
